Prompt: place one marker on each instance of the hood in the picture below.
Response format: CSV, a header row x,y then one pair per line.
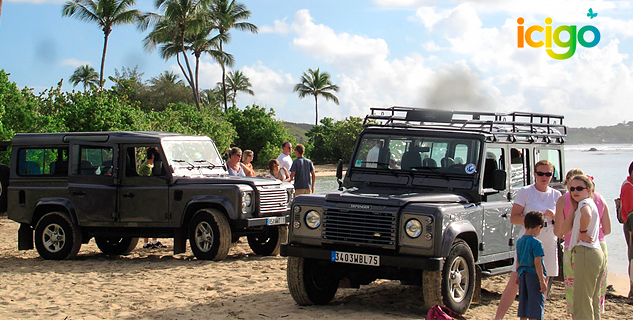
x,y
391,198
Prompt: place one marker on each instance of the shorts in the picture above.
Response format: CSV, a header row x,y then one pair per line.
x,y
550,249
303,191
628,228
531,299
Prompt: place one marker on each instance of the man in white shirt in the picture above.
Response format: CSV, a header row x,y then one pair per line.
x,y
372,155
284,158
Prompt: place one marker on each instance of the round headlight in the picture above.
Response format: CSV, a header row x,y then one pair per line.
x,y
313,219
248,199
413,228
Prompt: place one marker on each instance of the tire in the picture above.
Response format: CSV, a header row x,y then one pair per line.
x,y
209,235
309,283
268,242
458,277
4,183
56,237
116,246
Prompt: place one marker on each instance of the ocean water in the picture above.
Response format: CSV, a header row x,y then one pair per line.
x,y
608,165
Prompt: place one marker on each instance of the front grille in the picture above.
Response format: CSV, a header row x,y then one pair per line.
x,y
272,201
359,227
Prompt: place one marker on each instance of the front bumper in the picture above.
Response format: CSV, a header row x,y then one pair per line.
x,y
400,261
266,221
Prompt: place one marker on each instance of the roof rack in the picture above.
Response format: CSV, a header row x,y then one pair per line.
x,y
509,127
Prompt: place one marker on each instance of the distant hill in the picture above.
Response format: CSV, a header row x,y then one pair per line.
x,y
619,133
298,130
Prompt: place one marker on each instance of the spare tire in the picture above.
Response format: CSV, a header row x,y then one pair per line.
x,y
4,183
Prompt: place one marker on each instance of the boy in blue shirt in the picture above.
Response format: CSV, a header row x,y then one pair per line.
x,y
531,269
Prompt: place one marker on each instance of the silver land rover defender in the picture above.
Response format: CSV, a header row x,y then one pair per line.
x,y
426,200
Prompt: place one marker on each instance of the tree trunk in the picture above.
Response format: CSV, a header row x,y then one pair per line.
x,y
223,81
316,111
106,33
190,77
0,8
197,93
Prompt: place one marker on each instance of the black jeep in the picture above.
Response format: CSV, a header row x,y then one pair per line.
x,y
65,188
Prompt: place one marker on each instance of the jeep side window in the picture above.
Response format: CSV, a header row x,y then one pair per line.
x,y
95,161
43,162
518,167
553,156
493,161
136,156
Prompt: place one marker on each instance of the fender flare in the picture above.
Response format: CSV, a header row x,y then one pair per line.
x,y
56,202
453,231
216,201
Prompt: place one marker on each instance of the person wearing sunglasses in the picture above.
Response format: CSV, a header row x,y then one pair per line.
x,y
564,206
247,160
589,262
535,197
235,166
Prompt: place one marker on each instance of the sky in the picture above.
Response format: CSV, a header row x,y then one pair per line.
x,y
453,55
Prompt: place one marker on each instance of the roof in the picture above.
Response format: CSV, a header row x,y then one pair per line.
x,y
111,136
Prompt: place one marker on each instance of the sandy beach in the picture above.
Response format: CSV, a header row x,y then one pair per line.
x,y
155,284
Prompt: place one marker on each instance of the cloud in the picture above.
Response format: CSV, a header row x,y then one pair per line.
x,y
278,27
75,62
38,1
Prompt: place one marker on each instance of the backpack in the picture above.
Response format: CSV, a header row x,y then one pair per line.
x,y
438,312
618,206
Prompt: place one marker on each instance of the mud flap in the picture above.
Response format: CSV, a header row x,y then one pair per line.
x,y
477,289
25,237
180,240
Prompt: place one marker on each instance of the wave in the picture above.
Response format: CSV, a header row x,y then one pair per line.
x,y
599,147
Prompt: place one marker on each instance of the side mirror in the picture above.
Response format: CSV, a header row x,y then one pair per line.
x,y
499,180
339,173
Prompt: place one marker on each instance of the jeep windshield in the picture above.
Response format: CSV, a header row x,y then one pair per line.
x,y
417,154
193,157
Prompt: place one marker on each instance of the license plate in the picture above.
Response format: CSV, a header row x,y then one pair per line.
x,y
275,221
356,258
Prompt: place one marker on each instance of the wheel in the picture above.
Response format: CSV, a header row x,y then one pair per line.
x,y
431,288
116,246
268,242
458,277
56,237
209,235
309,283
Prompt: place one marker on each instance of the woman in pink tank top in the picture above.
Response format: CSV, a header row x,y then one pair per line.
x,y
563,207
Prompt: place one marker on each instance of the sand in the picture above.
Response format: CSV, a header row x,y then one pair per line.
x,y
155,284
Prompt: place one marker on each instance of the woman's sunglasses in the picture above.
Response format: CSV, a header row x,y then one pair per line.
x,y
540,174
577,188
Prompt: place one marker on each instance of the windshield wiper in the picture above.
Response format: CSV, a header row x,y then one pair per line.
x,y
210,166
189,167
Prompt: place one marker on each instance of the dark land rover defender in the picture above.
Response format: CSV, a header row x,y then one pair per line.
x,y
426,200
65,188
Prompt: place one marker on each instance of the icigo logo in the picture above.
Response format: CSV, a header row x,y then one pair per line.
x,y
574,37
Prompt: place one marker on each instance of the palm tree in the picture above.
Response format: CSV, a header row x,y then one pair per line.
x,y
106,13
315,83
0,8
185,26
228,15
166,78
237,81
86,75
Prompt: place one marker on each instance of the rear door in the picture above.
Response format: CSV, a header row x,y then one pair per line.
x,y
497,230
92,181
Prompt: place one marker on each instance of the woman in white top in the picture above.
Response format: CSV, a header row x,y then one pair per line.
x,y
235,166
589,262
536,197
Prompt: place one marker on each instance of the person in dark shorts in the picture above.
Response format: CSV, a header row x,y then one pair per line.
x,y
531,269
626,198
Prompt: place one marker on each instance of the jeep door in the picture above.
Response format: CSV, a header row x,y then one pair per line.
x,y
497,230
142,197
92,181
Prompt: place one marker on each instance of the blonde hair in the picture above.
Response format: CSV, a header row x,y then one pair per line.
x,y
571,173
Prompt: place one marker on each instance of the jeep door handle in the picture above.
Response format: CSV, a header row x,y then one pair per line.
x,y
79,193
128,195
